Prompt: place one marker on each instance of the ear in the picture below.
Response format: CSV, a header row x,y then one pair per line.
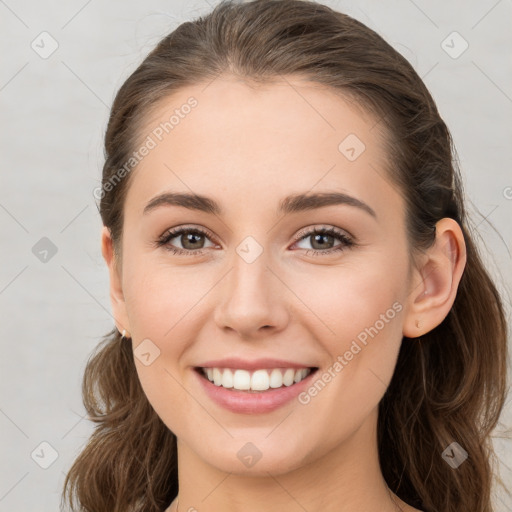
x,y
434,285
116,290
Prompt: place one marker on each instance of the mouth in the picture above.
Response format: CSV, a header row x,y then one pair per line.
x,y
263,380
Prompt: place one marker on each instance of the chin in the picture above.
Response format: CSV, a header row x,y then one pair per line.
x,y
257,457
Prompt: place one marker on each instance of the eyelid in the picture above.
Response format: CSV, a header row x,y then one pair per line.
x,y
311,230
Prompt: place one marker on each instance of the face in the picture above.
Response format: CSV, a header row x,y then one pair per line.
x,y
262,282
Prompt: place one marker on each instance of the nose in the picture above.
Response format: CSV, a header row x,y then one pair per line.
x,y
251,299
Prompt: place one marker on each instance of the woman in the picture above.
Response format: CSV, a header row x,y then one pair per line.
x,y
303,321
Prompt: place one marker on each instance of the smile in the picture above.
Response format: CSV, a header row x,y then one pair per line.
x,y
256,381
253,391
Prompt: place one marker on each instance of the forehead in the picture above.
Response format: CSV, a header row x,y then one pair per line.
x,y
233,138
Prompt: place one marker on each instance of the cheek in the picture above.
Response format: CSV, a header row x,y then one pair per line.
x,y
159,298
165,312
344,302
358,320
161,309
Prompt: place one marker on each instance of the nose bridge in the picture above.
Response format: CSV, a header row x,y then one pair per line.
x,y
249,300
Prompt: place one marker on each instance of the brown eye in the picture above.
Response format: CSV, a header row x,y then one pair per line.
x,y
323,240
190,239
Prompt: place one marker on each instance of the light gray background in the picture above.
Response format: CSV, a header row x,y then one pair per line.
x,y
54,113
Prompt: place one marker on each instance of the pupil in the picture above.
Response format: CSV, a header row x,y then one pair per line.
x,y
189,237
321,235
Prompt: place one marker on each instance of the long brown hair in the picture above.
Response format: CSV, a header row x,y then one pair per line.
x,y
448,386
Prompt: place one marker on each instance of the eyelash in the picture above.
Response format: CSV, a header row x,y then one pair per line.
x,y
347,242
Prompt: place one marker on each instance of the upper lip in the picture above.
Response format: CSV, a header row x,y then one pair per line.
x,y
254,364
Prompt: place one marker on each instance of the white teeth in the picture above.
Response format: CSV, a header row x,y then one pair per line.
x,y
299,375
276,378
217,377
259,380
242,380
227,378
288,377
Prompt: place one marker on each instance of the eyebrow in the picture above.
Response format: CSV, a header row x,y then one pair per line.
x,y
291,204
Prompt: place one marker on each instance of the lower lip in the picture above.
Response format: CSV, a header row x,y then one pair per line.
x,y
253,403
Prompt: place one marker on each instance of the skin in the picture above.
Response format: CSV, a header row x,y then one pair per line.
x,y
247,147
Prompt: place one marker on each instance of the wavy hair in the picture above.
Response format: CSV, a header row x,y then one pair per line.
x,y
449,385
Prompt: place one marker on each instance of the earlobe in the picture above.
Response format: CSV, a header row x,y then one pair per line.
x,y
433,292
116,288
